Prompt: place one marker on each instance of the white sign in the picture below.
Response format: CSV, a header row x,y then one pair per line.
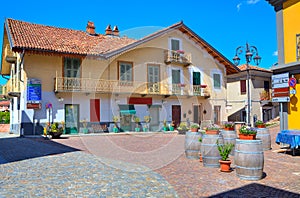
x,y
280,80
281,99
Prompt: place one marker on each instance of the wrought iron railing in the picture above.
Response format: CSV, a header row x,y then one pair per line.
x,y
179,57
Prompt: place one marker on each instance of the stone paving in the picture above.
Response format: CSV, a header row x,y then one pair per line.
x,y
131,165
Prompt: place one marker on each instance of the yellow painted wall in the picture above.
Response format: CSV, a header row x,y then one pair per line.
x,y
294,107
291,27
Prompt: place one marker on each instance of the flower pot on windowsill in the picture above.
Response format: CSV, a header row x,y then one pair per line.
x,y
247,136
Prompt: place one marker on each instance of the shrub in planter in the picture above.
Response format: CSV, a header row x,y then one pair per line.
x,y
212,129
194,127
260,124
229,126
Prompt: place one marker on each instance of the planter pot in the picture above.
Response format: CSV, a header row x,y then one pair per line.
x,y
171,128
194,129
165,128
212,132
229,128
137,129
55,134
225,165
261,126
85,130
145,129
247,137
115,130
181,131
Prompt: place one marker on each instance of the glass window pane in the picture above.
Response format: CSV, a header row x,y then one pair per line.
x,y
217,80
175,44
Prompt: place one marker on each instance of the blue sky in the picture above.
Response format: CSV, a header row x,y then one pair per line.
x,y
225,24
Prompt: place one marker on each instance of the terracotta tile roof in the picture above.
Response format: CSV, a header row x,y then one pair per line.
x,y
251,67
61,40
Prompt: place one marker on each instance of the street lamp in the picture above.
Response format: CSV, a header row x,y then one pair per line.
x,y
249,51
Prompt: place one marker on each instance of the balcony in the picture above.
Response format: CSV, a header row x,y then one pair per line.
x,y
265,95
12,88
88,85
9,55
178,57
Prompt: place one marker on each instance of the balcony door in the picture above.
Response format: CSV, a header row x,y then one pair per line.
x,y
176,87
197,83
72,73
153,79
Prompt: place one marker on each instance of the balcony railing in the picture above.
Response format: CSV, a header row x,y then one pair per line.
x,y
88,85
10,56
179,57
265,95
12,87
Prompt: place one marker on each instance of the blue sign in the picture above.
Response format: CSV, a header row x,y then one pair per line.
x,y
34,90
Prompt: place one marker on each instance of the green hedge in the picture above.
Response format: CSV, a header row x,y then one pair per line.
x,y
4,117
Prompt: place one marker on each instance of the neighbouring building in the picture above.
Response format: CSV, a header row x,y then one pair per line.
x,y
262,107
288,43
59,74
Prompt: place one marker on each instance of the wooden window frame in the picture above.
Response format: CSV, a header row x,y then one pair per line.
x,y
217,88
243,91
63,65
130,83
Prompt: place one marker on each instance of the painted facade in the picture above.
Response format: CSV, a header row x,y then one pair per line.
x,y
288,40
146,76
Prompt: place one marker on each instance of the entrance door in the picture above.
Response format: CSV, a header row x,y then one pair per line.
x,y
154,114
217,114
72,118
176,114
95,110
197,114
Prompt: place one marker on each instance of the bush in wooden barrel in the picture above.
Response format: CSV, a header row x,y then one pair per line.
x,y
209,150
192,144
229,136
264,135
249,159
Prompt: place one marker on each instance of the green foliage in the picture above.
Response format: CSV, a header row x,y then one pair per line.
x,y
246,130
229,125
200,139
194,126
225,150
183,126
56,127
4,117
259,122
213,127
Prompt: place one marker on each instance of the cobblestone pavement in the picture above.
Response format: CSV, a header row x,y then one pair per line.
x,y
128,165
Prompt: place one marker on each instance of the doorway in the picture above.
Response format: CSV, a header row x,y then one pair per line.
x,y
72,118
197,114
154,114
176,114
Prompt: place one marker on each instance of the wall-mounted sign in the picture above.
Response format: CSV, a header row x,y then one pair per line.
x,y
280,88
34,90
34,105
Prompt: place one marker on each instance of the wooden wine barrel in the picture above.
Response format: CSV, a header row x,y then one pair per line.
x,y
209,150
229,137
249,159
264,135
192,144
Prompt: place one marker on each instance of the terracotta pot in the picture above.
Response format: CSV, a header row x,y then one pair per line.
x,y
225,165
229,129
261,126
212,132
194,129
247,137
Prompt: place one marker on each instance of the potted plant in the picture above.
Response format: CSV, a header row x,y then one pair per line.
x,y
260,124
165,125
56,129
229,126
84,124
247,133
224,150
212,129
182,129
147,119
137,121
115,120
172,126
194,127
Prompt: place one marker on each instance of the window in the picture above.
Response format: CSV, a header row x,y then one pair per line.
x,y
125,72
243,86
217,81
298,46
72,67
153,78
217,114
175,44
196,78
266,85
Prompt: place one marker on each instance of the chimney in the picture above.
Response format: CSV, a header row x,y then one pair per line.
x,y
90,28
116,31
108,30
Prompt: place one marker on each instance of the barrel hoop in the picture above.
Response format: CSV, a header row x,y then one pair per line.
x,y
229,138
248,177
258,152
211,165
249,168
214,145
249,142
208,157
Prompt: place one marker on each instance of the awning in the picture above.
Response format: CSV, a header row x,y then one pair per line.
x,y
127,109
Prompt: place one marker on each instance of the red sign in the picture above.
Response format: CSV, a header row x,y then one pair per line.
x,y
34,106
281,92
135,100
292,82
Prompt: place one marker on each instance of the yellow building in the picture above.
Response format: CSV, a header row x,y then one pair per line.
x,y
288,41
58,74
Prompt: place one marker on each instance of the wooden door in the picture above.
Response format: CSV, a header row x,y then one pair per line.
x,y
95,110
176,114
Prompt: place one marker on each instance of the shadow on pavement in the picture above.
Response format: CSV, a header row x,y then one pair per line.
x,y
256,190
17,149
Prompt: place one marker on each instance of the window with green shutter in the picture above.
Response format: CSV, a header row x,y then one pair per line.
x,y
217,81
196,78
72,67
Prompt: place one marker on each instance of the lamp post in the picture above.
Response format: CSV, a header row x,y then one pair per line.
x,y
249,52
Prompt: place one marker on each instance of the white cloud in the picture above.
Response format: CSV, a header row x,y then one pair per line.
x,y
275,53
252,1
238,6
